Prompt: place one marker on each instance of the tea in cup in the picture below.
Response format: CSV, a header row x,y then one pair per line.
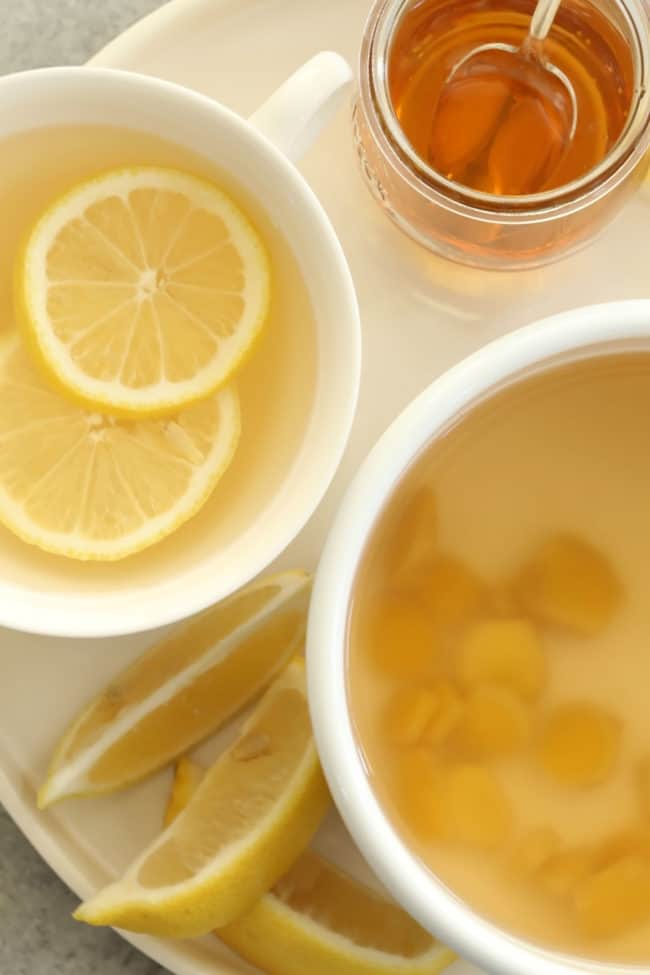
x,y
478,650
172,297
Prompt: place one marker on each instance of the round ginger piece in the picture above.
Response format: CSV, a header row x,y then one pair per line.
x,y
570,584
473,808
580,744
506,652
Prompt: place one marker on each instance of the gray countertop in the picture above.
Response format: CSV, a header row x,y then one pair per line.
x,y
37,935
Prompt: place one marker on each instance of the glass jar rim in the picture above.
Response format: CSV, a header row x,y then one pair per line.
x,y
384,19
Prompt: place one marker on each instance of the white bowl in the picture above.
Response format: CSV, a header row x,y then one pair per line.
x,y
137,594
565,336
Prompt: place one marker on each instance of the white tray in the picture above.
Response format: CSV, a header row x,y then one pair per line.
x,y
420,315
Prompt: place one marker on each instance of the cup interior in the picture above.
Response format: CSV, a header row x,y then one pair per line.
x,y
205,560
576,334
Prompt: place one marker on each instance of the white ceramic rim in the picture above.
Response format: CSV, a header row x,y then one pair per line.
x,y
425,897
82,614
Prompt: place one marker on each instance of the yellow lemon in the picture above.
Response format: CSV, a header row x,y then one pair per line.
x,y
87,486
181,690
319,920
253,814
142,290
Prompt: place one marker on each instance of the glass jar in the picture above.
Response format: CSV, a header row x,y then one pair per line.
x,y
482,229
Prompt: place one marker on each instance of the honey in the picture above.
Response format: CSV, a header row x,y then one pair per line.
x,y
499,124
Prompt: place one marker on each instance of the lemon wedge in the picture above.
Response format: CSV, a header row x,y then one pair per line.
x,y
253,814
318,920
142,290
182,689
93,487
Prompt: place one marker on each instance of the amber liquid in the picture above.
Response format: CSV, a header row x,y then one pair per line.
x,y
500,124
276,386
564,451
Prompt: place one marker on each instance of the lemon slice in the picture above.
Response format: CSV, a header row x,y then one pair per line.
x,y
93,487
142,290
182,689
317,919
250,818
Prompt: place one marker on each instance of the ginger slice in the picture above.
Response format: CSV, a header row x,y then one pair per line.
x,y
571,584
506,652
462,804
580,744
473,808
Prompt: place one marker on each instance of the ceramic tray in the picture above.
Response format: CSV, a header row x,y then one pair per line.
x,y
420,315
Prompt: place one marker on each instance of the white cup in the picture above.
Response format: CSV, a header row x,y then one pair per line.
x,y
584,331
258,155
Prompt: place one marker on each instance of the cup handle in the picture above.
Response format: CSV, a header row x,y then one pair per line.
x,y
295,114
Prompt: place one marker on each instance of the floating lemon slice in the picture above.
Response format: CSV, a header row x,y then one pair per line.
x,y
248,821
182,689
318,920
94,487
142,290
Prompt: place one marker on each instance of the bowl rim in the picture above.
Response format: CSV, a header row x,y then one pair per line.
x,y
427,899
75,613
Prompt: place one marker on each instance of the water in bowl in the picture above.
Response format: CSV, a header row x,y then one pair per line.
x,y
498,657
